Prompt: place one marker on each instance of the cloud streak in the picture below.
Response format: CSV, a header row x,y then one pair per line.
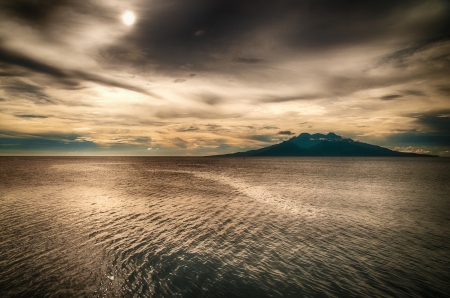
x,y
67,77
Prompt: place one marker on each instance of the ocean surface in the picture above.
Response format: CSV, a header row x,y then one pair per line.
x,y
224,227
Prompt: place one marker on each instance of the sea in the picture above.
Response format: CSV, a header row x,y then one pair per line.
x,y
224,227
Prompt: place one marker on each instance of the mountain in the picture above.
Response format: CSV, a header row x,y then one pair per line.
x,y
318,144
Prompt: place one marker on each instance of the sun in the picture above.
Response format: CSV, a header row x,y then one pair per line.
x,y
128,18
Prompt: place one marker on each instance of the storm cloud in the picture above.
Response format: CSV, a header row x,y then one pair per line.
x,y
435,121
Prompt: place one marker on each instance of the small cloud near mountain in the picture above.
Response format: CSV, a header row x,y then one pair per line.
x,y
286,133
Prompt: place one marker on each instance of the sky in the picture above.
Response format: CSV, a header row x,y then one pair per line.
x,y
198,77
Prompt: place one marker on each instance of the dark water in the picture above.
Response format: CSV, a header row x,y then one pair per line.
x,y
205,227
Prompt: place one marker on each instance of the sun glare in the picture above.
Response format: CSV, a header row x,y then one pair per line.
x,y
128,18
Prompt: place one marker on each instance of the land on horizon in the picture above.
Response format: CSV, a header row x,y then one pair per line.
x,y
308,145
332,145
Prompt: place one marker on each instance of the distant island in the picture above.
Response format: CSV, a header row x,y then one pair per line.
x,y
330,144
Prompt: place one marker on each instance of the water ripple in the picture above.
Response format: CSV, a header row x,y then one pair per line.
x,y
136,227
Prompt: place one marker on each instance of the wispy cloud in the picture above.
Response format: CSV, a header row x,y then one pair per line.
x,y
391,96
31,116
247,60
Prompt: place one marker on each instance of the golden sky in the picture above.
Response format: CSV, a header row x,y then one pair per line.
x,y
149,77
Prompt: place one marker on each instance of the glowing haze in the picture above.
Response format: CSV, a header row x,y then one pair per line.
x,y
128,18
205,77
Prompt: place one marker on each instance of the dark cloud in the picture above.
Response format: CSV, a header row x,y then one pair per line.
x,y
187,129
14,58
33,11
323,24
443,89
275,99
173,113
436,121
7,72
23,90
286,132
180,143
35,93
210,99
21,87
41,14
398,69
391,96
399,58
31,116
247,60
129,140
434,131
215,128
213,125
109,82
405,130
143,140
177,33
168,31
413,92
66,77
419,139
190,76
403,58
196,34
270,127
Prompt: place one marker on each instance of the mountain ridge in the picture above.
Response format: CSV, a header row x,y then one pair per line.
x,y
331,144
